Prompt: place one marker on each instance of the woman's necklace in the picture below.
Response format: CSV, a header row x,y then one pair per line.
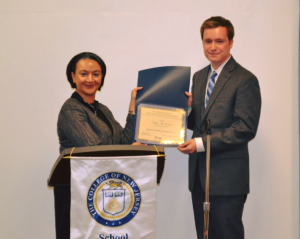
x,y
94,109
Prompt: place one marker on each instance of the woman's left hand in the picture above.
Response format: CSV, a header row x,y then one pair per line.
x,y
134,92
133,98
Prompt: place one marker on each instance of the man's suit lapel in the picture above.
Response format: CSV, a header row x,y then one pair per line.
x,y
222,79
202,87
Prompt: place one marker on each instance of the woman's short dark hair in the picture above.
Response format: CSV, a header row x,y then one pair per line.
x,y
84,55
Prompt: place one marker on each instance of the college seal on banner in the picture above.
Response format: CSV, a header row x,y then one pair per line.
x,y
113,199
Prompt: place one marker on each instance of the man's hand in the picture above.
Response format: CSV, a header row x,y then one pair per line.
x,y
190,100
188,147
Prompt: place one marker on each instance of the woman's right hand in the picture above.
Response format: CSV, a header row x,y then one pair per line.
x,y
138,143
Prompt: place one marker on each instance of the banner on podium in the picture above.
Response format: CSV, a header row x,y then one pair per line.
x,y
113,197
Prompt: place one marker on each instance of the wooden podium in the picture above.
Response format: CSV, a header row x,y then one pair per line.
x,y
60,175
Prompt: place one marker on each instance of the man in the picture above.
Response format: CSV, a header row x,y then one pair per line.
x,y
228,95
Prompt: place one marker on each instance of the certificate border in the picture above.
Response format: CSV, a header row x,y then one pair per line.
x,y
159,142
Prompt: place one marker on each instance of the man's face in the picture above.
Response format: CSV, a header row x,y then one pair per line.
x,y
216,45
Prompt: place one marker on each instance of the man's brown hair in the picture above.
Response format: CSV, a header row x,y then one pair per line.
x,y
218,21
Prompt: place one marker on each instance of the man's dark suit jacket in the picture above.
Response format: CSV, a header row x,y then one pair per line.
x,y
233,110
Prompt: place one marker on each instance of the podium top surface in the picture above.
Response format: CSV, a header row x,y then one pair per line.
x,y
61,172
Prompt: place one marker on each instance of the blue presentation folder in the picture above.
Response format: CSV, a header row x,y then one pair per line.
x,y
164,86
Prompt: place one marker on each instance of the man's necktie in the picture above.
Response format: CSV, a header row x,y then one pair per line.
x,y
210,87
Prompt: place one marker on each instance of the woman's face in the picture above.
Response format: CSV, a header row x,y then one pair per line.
x,y
87,77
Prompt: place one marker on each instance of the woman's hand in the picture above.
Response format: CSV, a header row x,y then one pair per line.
x,y
133,98
190,100
134,92
137,143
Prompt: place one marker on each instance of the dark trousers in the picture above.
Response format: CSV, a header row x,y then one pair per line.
x,y
225,217
62,206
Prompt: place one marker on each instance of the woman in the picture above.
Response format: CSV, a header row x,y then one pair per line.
x,y
83,121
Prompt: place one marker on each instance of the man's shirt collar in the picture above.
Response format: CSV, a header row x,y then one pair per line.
x,y
218,71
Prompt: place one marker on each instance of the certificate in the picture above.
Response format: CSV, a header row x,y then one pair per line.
x,y
160,125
